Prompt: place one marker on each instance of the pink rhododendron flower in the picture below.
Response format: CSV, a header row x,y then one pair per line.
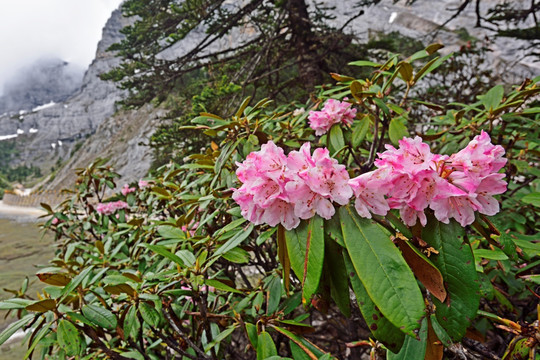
x,y
316,181
279,189
333,112
110,208
411,179
143,183
262,196
55,221
126,189
369,198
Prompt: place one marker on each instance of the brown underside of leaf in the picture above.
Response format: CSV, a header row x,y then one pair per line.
x,y
428,275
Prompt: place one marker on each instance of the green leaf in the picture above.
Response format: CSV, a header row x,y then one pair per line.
x,y
364,63
265,346
336,138
76,281
149,314
273,295
221,286
13,327
412,348
397,131
532,198
187,257
131,323
305,246
456,263
339,283
68,337
234,241
237,256
99,316
439,331
171,232
15,304
381,328
495,254
384,273
162,250
493,97
243,106
360,129
252,334
222,336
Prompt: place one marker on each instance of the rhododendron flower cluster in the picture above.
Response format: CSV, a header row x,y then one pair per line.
x,y
280,189
333,112
110,208
411,179
126,189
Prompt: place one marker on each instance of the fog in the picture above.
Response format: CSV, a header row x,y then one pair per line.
x,y
64,29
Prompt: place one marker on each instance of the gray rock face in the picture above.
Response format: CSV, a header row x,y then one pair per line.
x,y
422,20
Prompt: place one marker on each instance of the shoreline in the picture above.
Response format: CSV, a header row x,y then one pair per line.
x,y
21,213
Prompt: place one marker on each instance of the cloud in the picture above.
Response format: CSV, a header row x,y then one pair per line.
x,y
67,29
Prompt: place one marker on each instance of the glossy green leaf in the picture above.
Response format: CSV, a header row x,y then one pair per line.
x,y
381,328
440,332
493,97
237,256
336,138
99,316
221,286
68,337
456,263
360,129
252,334
149,314
384,273
13,327
265,346
337,274
305,245
131,323
397,131
532,198
273,295
163,251
364,63
15,304
171,232
412,348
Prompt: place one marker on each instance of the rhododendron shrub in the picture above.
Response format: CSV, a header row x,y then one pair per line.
x,y
385,236
333,112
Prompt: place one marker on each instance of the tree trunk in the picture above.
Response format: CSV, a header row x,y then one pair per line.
x,y
303,41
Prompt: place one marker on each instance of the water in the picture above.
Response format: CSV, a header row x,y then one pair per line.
x,y
22,248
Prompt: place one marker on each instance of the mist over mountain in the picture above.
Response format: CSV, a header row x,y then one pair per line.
x,y
46,80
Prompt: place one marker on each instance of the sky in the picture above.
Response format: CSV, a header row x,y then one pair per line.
x,y
67,29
